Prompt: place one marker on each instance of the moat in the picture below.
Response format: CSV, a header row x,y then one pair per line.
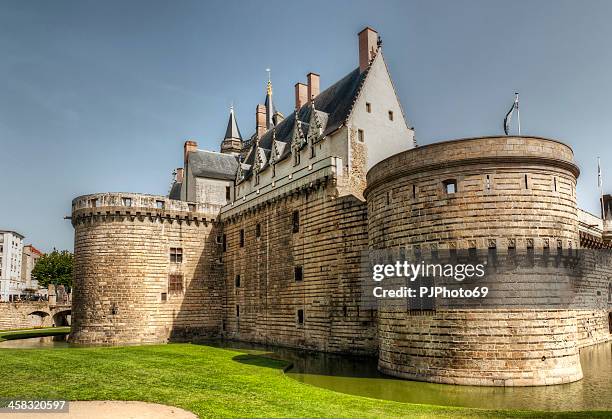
x,y
359,376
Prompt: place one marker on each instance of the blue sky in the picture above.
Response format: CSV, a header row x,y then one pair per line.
x,y
100,95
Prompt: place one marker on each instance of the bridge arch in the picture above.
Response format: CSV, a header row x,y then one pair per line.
x,y
62,318
38,318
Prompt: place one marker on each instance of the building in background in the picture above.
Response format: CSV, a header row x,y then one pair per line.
x,y
11,248
28,261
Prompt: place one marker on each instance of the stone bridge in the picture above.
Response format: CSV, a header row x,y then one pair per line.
x,y
34,314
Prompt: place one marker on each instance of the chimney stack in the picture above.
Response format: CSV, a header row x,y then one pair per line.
x,y
260,120
179,175
313,85
190,146
368,45
301,95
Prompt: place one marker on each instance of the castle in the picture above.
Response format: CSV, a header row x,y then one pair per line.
x,y
264,241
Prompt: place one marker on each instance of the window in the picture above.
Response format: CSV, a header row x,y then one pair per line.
x,y
368,107
555,183
176,254
256,178
175,284
164,296
296,157
450,186
219,240
127,202
224,243
298,273
242,237
237,281
360,136
300,316
191,207
296,222
313,152
258,230
160,204
228,193
488,183
237,311
94,202
390,115
273,170
414,191
526,183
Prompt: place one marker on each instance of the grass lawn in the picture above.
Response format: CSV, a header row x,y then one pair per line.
x,y
32,333
211,382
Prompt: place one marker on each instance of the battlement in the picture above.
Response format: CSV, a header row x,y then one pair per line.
x,y
133,204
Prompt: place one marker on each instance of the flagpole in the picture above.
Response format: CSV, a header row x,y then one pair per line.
x,y
600,184
518,114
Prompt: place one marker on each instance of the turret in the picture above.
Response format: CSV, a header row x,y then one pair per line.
x,y
232,142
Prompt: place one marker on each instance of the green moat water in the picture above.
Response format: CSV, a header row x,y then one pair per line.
x,y
359,376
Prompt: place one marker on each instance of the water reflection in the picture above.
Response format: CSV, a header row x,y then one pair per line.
x,y
359,376
57,341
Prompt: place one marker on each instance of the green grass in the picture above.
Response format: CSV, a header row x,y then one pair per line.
x,y
33,333
209,381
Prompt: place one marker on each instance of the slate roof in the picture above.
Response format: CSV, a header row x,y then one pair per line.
x,y
232,130
336,101
175,191
212,165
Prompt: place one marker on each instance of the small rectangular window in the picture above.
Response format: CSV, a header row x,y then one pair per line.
x,y
526,183
242,237
175,284
126,202
555,183
296,157
360,136
94,202
237,281
414,191
219,240
176,254
296,222
390,115
191,207
300,316
237,310
160,204
258,230
450,186
488,183
164,296
228,193
298,273
313,152
224,243
368,107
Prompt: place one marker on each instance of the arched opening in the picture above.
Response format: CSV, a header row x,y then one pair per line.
x,y
38,318
62,318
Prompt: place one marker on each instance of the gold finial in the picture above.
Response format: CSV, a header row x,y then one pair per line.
x,y
269,90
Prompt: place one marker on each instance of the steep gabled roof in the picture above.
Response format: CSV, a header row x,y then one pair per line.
x,y
210,164
336,102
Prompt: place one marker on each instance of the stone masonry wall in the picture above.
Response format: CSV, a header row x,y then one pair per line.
x,y
511,193
123,292
332,234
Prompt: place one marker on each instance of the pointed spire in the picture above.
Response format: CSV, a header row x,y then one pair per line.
x,y
270,109
232,130
232,142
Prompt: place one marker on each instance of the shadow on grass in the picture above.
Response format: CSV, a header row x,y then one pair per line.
x,y
267,360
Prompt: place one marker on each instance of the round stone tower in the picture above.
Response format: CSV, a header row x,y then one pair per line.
x,y
479,193
145,266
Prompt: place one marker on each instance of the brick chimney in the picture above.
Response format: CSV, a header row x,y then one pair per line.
x,y
190,146
179,175
301,95
313,85
368,45
260,120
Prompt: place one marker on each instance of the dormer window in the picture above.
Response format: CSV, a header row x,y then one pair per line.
x,y
450,186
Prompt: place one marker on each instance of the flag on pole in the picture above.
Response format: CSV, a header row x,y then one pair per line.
x,y
599,179
508,118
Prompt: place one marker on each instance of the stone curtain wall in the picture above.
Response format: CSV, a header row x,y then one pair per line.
x,y
409,207
328,247
26,314
122,267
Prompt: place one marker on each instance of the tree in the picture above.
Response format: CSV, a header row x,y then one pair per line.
x,y
54,268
